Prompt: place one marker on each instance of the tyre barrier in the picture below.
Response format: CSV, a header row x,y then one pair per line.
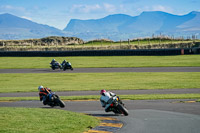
x,y
139,52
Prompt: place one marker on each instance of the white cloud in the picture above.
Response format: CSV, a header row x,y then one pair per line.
x,y
85,8
105,7
109,8
26,17
162,8
156,8
10,8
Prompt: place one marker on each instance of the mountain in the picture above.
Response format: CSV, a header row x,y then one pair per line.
x,y
109,23
121,26
115,27
13,27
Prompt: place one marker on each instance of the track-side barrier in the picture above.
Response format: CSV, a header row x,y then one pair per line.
x,y
139,52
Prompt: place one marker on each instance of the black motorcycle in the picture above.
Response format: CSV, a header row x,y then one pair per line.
x,y
67,65
55,65
54,100
117,106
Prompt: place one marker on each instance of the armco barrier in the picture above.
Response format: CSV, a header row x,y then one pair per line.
x,y
141,52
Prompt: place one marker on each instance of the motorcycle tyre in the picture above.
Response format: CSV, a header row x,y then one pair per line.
x,y
123,109
61,103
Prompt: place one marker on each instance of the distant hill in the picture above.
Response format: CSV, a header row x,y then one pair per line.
x,y
114,27
13,27
120,26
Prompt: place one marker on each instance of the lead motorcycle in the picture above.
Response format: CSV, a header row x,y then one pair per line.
x,y
54,100
67,65
55,65
117,106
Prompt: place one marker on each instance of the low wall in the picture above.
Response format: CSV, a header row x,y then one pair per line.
x,y
100,52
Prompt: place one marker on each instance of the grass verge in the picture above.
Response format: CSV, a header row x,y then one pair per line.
x,y
102,61
31,120
96,81
123,97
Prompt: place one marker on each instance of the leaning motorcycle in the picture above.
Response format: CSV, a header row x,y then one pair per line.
x,y
54,100
117,106
55,66
66,66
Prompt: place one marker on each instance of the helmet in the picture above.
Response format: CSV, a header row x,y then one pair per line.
x,y
53,60
40,87
102,91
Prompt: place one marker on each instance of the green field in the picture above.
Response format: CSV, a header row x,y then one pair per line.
x,y
32,120
123,97
96,81
26,120
102,61
138,42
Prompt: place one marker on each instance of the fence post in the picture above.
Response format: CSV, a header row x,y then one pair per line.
x,y
149,41
120,43
92,44
182,51
160,41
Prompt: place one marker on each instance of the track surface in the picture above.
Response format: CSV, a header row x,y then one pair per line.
x,y
100,70
121,92
145,116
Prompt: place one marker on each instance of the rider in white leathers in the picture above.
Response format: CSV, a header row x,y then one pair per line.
x,y
106,99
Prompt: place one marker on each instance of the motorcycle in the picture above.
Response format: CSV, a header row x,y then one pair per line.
x,y
67,65
55,65
117,106
54,100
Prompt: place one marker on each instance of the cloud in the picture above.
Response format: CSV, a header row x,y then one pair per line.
x,y
156,8
9,8
109,8
103,8
85,8
26,17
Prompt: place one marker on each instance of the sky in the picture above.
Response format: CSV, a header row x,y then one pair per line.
x,y
58,13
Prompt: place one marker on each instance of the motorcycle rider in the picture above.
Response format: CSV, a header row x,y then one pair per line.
x,y
105,97
43,94
63,63
53,61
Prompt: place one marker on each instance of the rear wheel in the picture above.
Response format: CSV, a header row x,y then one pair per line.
x,y
122,109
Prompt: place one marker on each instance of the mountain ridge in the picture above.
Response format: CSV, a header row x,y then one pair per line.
x,y
114,26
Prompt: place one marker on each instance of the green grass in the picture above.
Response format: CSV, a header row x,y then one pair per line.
x,y
95,81
123,97
32,120
102,61
136,42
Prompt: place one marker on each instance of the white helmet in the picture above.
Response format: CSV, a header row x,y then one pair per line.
x,y
40,87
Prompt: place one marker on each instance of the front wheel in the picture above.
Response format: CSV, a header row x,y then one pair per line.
x,y
122,109
61,103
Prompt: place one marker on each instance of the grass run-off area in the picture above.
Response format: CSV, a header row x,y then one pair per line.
x,y
28,82
102,61
35,120
123,97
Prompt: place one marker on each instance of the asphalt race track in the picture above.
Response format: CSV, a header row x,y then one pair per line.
x,y
145,116
100,70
